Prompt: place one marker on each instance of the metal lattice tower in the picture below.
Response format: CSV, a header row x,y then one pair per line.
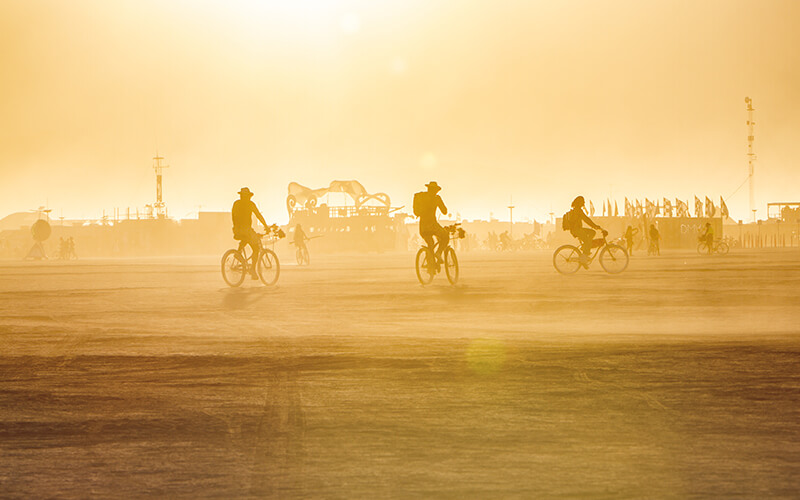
x,y
159,206
751,157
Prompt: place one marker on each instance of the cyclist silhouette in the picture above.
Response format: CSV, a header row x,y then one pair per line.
x,y
300,238
425,205
708,237
242,215
575,219
655,240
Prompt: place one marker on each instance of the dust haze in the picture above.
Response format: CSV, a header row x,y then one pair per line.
x,y
355,249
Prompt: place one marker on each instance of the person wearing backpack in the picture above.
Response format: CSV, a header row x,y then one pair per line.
x,y
573,222
425,205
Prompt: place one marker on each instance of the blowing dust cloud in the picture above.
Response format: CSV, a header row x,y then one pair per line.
x,y
340,248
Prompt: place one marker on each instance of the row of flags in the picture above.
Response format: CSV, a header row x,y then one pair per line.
x,y
667,208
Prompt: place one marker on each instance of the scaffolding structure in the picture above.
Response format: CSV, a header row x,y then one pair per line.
x,y
751,157
159,207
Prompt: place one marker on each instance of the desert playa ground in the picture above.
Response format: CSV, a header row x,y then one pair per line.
x,y
678,378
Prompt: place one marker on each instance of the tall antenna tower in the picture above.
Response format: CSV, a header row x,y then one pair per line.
x,y
159,206
751,157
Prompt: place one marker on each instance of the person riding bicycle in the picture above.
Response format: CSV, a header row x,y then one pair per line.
x,y
425,205
300,238
242,215
574,222
708,237
655,241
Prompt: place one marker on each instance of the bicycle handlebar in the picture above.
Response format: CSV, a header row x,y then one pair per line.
x,y
273,230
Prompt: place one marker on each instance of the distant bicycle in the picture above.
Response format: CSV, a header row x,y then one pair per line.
x,y
302,257
613,257
718,246
236,263
425,272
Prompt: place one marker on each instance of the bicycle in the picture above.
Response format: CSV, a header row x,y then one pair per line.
x,y
236,263
613,258
302,257
717,246
426,272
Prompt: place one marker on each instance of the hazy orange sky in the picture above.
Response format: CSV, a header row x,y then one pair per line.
x,y
541,100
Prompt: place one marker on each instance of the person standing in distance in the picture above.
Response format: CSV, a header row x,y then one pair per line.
x,y
425,205
242,215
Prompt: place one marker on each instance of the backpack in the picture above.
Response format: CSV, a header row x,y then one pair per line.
x,y
419,203
566,222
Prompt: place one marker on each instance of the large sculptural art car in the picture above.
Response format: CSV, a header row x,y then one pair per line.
x,y
304,198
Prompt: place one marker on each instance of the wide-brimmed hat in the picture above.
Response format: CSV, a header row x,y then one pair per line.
x,y
246,192
432,185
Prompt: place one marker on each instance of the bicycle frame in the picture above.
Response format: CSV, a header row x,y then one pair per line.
x,y
456,233
273,232
597,250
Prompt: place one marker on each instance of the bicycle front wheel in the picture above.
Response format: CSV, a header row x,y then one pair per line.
x,y
234,268
722,248
269,268
302,257
614,259
451,265
702,248
566,259
424,274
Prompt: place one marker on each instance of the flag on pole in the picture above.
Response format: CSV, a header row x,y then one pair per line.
x,y
682,207
616,209
723,208
667,208
591,208
638,211
628,210
698,207
711,210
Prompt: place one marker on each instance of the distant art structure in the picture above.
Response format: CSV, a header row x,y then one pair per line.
x,y
41,231
303,198
345,216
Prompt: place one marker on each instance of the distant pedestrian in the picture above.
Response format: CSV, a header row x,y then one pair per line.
x,y
629,234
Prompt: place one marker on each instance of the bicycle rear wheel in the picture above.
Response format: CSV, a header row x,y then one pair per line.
x,y
722,248
614,259
566,259
451,265
234,268
269,268
424,274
